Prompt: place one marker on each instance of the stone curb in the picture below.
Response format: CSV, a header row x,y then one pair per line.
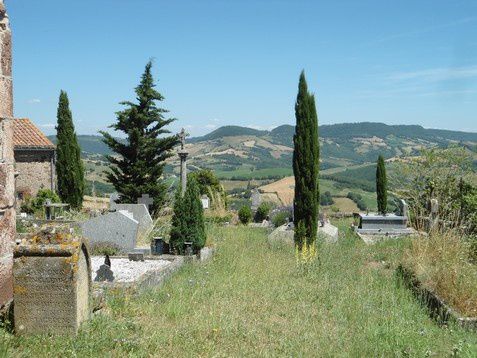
x,y
438,309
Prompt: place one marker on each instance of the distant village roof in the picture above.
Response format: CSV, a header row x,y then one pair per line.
x,y
27,136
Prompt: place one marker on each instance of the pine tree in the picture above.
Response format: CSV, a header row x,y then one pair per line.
x,y
188,219
306,165
381,186
69,168
137,167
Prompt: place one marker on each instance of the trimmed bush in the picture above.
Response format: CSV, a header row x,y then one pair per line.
x,y
245,215
262,212
281,218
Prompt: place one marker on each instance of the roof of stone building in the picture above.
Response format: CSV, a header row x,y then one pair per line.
x,y
27,135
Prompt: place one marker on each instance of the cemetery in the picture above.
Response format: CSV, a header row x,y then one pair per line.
x,y
163,265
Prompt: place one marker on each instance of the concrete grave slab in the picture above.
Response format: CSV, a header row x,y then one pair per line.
x,y
118,228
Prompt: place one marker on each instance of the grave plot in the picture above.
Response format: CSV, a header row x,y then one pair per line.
x,y
127,271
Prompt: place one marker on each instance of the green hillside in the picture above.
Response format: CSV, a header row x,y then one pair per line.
x,y
91,144
241,153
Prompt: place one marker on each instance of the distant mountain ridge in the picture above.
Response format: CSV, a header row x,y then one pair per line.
x,y
345,130
242,152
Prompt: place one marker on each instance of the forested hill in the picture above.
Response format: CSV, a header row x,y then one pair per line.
x,y
285,132
91,144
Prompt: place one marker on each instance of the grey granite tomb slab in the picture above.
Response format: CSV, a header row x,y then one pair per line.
x,y
118,228
140,214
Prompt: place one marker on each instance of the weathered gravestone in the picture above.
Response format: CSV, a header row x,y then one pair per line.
x,y
146,200
52,283
139,213
116,228
256,199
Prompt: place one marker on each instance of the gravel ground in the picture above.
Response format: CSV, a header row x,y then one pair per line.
x,y
125,270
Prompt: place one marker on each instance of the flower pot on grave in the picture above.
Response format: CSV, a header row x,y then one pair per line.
x,y
52,283
157,246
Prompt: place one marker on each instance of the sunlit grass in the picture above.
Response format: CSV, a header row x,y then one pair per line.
x,y
253,300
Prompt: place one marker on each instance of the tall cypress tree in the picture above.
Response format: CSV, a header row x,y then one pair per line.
x,y
306,165
138,165
69,168
381,186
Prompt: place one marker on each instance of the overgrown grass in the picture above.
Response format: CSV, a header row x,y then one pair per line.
x,y
442,263
252,300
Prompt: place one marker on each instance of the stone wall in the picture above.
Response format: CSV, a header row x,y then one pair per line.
x,y
34,170
7,181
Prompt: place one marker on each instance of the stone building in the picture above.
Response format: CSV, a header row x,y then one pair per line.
x,y
34,159
7,179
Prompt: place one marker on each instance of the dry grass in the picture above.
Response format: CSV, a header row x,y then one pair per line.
x,y
442,264
95,203
284,189
346,205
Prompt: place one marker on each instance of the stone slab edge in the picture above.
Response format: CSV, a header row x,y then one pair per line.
x,y
436,306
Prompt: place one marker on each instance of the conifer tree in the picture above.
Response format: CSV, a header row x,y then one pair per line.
x,y
188,219
306,165
69,168
381,186
138,165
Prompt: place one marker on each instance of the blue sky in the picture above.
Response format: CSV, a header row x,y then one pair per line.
x,y
238,61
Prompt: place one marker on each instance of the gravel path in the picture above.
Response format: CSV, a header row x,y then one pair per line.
x,y
125,270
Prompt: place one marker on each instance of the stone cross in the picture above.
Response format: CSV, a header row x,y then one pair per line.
x,y
146,200
182,137
183,156
404,209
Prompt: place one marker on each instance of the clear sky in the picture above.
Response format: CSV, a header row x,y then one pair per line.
x,y
221,62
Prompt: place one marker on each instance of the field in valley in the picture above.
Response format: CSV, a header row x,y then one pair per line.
x,y
253,300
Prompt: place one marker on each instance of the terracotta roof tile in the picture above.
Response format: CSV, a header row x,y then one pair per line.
x,y
27,135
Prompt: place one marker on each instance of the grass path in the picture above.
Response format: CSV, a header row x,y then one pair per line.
x,y
252,300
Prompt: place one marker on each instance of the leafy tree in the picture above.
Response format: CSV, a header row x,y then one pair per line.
x,y
69,168
245,214
326,199
139,162
188,219
33,205
210,185
381,186
445,175
358,199
306,165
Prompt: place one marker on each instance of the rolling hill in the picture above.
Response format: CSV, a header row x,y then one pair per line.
x,y
238,152
235,152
